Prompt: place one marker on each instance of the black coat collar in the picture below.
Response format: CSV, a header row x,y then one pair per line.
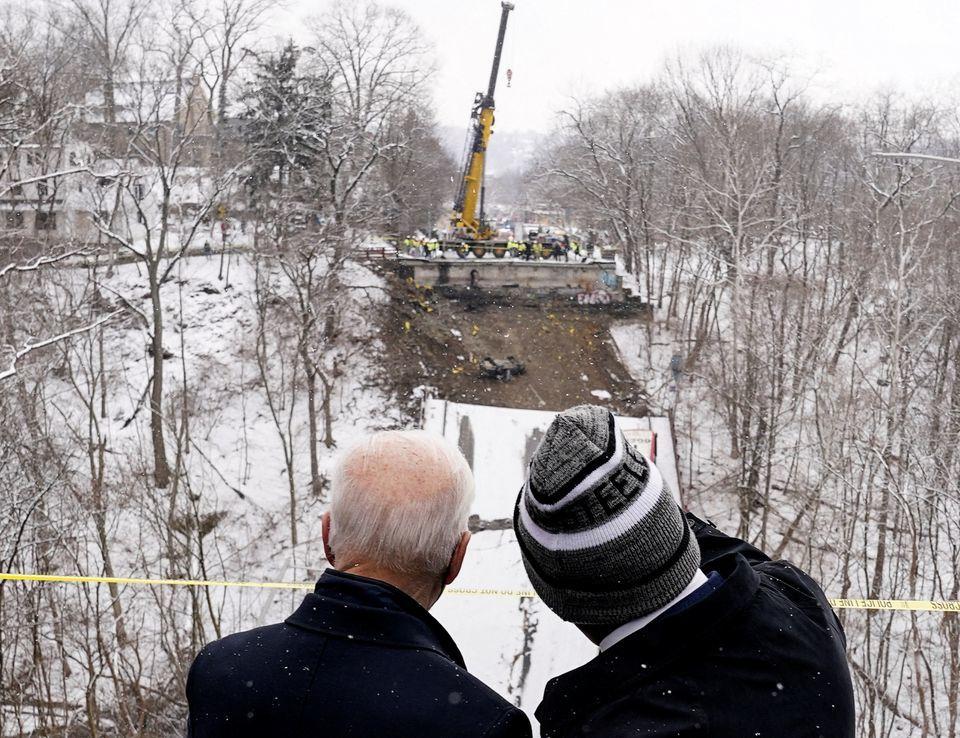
x,y
349,606
655,646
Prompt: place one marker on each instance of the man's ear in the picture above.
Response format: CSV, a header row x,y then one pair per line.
x,y
325,532
456,561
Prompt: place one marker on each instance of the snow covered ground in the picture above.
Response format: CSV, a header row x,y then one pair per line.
x,y
509,639
647,350
235,459
237,472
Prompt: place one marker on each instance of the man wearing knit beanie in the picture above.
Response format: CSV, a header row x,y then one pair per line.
x,y
699,633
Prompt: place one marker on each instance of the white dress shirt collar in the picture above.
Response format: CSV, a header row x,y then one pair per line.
x,y
699,579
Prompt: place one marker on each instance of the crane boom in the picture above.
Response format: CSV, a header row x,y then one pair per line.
x,y
466,221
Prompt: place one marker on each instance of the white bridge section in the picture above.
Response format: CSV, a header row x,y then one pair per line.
x,y
513,644
499,441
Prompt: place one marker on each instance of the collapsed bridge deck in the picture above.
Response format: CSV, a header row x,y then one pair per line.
x,y
511,641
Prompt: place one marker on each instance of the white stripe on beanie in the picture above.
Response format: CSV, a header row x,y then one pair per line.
x,y
590,481
612,529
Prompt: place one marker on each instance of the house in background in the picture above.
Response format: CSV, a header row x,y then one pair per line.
x,y
101,179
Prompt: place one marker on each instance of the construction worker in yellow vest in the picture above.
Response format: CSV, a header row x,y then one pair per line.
x,y
537,250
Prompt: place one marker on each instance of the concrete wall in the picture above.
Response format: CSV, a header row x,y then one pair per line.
x,y
592,283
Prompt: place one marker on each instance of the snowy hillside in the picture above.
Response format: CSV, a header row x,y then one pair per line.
x,y
231,459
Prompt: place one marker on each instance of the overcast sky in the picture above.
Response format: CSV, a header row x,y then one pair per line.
x,y
562,48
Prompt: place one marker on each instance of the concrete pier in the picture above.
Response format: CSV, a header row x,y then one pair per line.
x,y
593,282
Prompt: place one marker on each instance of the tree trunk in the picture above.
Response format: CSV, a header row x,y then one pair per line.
x,y
161,470
327,412
315,485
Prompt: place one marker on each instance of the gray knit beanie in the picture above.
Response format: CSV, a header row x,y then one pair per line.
x,y
602,538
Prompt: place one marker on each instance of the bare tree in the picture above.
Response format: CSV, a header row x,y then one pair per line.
x,y
377,64
805,255
152,219
107,30
227,27
414,176
606,152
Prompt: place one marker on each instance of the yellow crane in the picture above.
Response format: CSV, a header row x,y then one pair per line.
x,y
468,221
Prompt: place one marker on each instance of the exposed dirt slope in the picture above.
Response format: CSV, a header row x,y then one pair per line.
x,y
567,349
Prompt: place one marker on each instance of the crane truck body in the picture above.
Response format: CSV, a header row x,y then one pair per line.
x,y
469,228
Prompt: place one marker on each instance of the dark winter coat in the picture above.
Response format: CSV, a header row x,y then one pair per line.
x,y
763,655
358,658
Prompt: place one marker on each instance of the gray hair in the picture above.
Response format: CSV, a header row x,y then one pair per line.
x,y
400,499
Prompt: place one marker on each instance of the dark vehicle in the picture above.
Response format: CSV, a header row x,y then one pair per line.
x,y
505,369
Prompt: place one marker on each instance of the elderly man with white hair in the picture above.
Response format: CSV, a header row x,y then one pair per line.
x,y
361,656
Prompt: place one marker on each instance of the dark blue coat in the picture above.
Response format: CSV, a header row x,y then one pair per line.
x,y
358,658
763,655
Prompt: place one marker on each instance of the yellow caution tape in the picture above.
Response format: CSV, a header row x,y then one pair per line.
x,y
492,592
74,579
840,604
941,605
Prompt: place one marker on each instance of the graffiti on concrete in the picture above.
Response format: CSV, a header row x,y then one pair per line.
x,y
594,297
